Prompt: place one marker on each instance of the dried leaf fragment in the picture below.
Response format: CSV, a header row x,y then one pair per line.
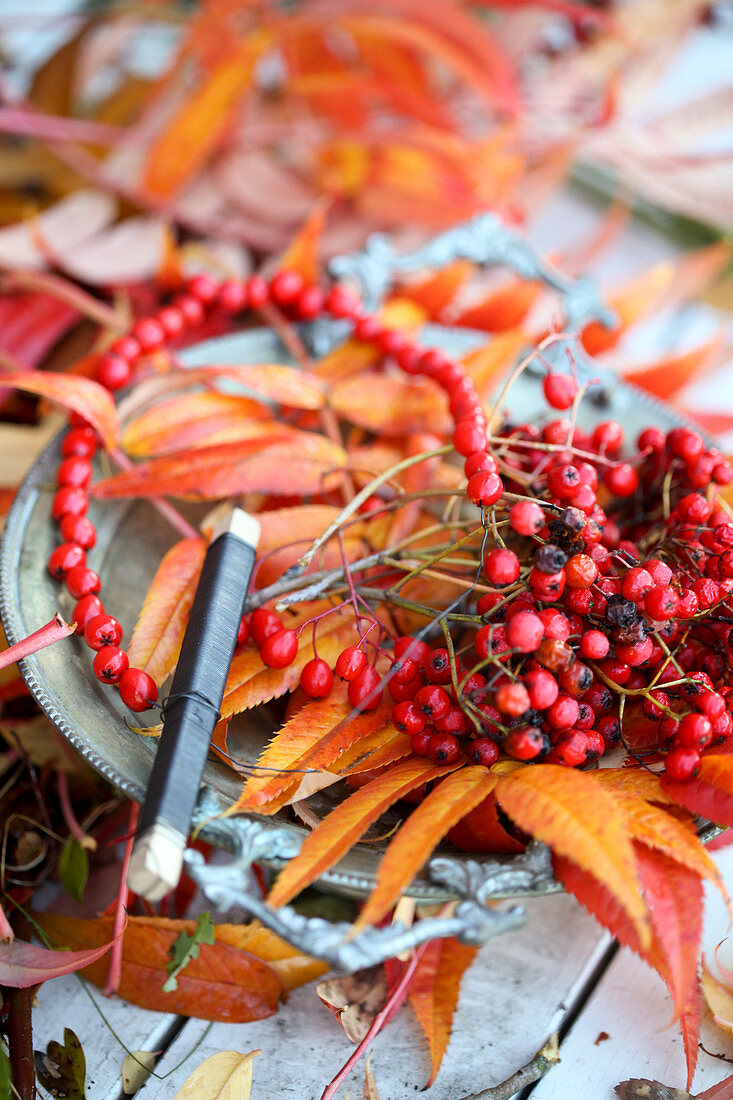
x,y
136,1069
224,1076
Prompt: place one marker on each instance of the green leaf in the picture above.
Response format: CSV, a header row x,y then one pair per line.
x,y
62,1070
185,948
74,868
6,1077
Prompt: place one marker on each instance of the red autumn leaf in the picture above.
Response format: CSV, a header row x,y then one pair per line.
x,y
81,395
296,462
713,422
348,822
402,406
502,309
25,964
667,376
710,793
572,813
433,994
191,419
674,896
31,323
223,984
158,634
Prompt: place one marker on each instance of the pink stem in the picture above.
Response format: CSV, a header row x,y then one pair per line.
x,y
17,120
64,291
62,785
378,1023
6,932
47,635
115,960
166,510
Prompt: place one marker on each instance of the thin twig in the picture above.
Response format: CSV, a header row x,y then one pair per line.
x,y
541,1064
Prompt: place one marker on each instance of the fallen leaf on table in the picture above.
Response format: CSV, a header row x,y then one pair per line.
x,y
434,992
638,1088
355,999
62,1069
224,984
136,1069
224,1076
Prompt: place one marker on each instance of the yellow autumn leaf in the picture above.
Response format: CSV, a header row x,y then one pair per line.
x,y
224,1076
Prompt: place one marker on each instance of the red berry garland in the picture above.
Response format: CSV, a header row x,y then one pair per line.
x,y
650,630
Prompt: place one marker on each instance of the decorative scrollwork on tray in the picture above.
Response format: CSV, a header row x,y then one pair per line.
x,y
232,886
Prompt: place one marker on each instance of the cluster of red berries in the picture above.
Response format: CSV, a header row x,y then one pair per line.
x,y
606,604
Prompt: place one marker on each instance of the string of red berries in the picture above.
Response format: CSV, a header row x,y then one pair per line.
x,y
178,323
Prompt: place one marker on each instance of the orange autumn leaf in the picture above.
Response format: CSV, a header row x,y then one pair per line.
x,y
402,405
487,364
302,254
502,309
374,751
158,634
261,684
303,745
295,462
344,826
433,993
81,395
223,984
665,377
569,811
638,781
292,968
197,126
710,793
189,420
438,290
451,800
632,302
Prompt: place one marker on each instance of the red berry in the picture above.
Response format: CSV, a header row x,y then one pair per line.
x,y
364,691
547,586
609,728
636,583
581,571
525,631
454,722
469,436
258,292
109,664
681,763
501,567
483,751
204,287
479,460
342,302
443,748
607,436
279,649
243,631
416,650
524,743
285,287
232,296
172,321
81,581
65,557
512,699
79,441
560,390
572,748
594,644
316,678
263,623
563,713
433,701
622,480
407,717
542,688
485,488
112,371
74,470
86,608
402,672
102,630
69,500
695,731
563,481
526,517
420,742
190,308
556,624
309,303
661,602
78,529
137,689
436,666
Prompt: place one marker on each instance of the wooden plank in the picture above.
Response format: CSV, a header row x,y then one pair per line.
x,y
511,998
67,1002
631,1006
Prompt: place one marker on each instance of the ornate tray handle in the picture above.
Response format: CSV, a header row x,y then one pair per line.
x,y
232,885
484,240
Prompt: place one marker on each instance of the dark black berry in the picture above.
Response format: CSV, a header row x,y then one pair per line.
x,y
550,558
621,612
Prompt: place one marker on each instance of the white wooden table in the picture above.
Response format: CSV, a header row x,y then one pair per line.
x,y
559,972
